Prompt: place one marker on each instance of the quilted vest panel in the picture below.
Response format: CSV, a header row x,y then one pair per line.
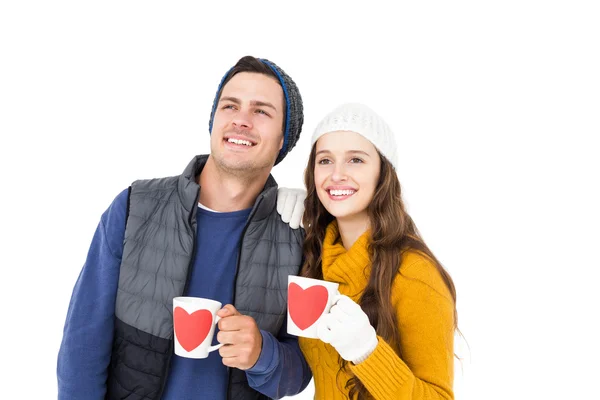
x,y
157,255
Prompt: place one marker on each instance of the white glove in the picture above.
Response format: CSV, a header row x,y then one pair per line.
x,y
290,205
348,330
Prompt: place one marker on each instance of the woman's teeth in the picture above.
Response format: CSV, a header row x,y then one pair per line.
x,y
345,192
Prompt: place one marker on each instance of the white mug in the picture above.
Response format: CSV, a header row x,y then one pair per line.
x,y
194,320
308,300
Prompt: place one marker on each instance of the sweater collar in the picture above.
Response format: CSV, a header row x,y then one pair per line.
x,y
350,268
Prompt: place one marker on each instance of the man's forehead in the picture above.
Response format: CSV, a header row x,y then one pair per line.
x,y
248,83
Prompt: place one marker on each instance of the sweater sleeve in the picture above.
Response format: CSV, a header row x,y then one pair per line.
x,y
425,314
85,350
281,369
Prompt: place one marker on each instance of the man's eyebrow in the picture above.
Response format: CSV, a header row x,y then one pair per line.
x,y
253,103
258,103
229,98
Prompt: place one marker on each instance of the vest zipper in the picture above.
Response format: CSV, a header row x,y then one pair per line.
x,y
237,268
185,289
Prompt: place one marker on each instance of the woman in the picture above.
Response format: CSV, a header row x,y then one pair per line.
x,y
390,333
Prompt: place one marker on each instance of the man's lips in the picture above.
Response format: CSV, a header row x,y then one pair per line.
x,y
239,143
240,139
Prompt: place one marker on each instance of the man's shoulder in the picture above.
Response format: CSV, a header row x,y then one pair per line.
x,y
155,183
282,230
118,205
114,220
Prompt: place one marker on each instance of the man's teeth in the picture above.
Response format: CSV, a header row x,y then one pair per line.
x,y
239,141
345,192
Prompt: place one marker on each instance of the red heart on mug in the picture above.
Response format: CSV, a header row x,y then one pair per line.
x,y
191,329
306,305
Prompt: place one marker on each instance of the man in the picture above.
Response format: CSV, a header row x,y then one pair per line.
x,y
211,232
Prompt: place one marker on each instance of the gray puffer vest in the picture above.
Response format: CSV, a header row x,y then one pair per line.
x,y
158,255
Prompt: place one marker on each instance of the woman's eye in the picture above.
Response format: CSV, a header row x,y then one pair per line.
x,y
324,161
356,160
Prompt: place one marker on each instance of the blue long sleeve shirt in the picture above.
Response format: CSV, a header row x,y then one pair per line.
x,y
85,350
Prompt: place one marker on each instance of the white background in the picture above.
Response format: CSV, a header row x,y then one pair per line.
x,y
496,106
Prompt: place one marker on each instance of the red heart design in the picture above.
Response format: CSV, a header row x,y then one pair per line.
x,y
306,305
191,329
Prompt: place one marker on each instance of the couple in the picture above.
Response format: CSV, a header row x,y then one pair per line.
x,y
214,232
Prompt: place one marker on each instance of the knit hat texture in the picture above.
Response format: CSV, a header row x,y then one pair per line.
x,y
361,119
294,111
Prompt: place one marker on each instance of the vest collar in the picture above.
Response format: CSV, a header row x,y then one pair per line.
x,y
188,190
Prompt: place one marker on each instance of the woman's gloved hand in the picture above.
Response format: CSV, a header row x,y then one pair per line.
x,y
348,330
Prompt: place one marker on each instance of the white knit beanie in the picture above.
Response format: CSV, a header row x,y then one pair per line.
x,y
361,119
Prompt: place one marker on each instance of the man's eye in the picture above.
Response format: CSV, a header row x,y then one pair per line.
x,y
228,107
259,111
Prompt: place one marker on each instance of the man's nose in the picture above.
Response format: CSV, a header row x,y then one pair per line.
x,y
242,120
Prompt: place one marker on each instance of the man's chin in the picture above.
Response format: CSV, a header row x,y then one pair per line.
x,y
234,163
244,164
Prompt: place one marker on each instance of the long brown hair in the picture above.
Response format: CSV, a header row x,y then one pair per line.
x,y
393,232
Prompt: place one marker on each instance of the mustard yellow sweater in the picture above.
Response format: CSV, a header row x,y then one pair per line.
x,y
424,310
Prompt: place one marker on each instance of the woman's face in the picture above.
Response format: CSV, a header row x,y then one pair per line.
x,y
346,172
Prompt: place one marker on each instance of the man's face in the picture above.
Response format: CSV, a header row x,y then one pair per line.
x,y
247,129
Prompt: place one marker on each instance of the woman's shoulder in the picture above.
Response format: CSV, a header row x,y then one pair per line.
x,y
417,271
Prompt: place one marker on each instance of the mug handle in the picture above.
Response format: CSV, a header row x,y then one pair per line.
x,y
216,346
336,297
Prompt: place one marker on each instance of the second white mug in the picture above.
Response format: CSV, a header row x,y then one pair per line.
x,y
308,300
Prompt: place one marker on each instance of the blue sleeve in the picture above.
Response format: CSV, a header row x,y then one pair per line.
x,y
281,369
85,350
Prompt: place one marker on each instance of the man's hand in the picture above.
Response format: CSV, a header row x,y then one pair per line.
x,y
242,341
